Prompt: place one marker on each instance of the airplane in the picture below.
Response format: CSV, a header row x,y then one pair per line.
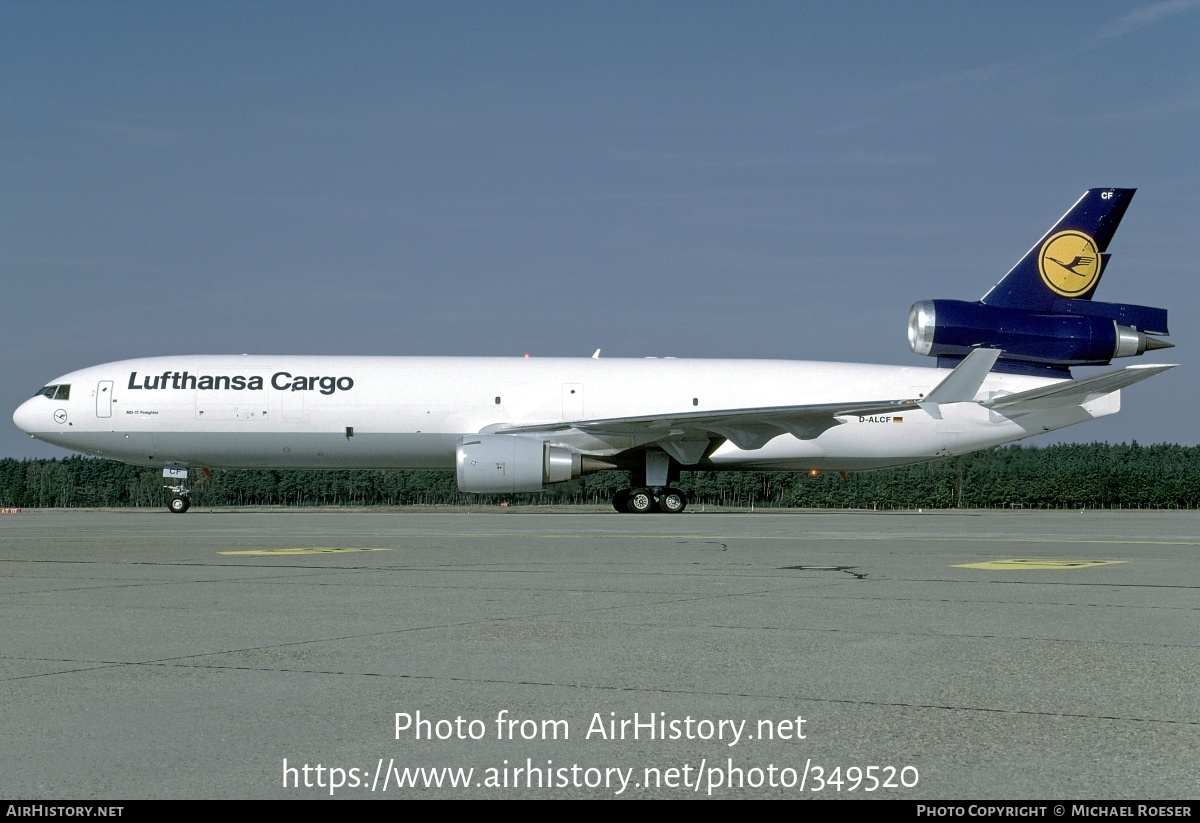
x,y
517,424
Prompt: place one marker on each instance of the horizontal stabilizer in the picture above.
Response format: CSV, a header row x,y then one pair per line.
x,y
1073,392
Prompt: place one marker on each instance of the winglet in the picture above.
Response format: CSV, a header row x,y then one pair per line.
x,y
961,385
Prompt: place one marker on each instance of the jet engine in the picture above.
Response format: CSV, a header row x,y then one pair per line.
x,y
1082,334
505,463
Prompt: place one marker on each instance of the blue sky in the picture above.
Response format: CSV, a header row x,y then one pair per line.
x,y
707,179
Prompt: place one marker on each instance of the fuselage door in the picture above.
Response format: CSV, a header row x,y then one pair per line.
x,y
104,398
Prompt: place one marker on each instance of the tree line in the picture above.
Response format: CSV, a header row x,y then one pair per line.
x,y
1096,475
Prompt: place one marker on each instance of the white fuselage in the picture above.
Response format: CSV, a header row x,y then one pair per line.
x,y
408,412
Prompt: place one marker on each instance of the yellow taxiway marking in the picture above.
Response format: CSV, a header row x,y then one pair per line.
x,y
302,550
1036,563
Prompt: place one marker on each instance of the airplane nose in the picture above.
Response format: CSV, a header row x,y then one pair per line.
x,y
24,416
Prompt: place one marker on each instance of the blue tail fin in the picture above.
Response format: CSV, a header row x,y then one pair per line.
x,y
1067,263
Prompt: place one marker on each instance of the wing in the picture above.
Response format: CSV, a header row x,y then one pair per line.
x,y
687,436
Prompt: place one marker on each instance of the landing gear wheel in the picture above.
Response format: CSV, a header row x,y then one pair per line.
x,y
178,505
641,501
672,501
620,501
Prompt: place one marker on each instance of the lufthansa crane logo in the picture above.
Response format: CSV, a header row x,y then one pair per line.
x,y
1069,263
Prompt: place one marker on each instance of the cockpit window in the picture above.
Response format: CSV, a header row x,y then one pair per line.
x,y
55,392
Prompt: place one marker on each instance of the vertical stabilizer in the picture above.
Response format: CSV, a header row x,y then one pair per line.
x,y
1068,261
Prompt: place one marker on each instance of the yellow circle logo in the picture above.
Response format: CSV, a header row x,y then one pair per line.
x,y
1069,263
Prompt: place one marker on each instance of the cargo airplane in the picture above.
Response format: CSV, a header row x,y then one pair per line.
x,y
518,424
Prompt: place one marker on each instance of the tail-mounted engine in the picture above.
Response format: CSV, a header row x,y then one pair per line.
x,y
1086,334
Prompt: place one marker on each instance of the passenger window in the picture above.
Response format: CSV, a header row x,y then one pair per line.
x,y
63,393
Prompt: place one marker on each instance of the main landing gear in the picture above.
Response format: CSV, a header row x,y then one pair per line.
x,y
656,495
641,501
